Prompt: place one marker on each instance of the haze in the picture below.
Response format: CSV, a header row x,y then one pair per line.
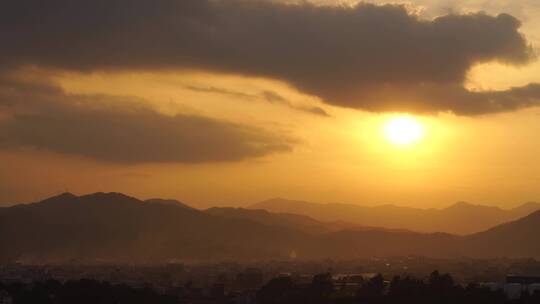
x,y
182,102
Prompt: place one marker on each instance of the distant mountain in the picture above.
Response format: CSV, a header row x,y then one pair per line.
x,y
169,202
460,218
115,227
526,208
290,220
287,220
112,227
517,239
520,238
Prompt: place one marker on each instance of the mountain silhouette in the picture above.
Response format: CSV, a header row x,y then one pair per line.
x,y
115,227
461,218
287,220
519,238
112,227
169,202
291,220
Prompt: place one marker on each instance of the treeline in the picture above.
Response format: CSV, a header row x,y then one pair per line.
x,y
437,289
82,292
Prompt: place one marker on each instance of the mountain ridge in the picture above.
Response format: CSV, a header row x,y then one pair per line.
x,y
459,218
117,228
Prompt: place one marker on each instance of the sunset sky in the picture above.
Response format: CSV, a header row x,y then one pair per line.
x,y
418,103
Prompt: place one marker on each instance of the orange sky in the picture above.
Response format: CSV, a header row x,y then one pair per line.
x,y
340,156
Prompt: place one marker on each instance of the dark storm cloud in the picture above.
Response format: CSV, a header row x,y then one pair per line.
x,y
360,56
121,129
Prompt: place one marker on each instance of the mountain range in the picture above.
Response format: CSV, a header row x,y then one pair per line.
x,y
116,227
461,218
113,227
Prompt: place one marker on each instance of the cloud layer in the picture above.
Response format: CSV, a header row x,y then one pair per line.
x,y
377,58
120,129
267,95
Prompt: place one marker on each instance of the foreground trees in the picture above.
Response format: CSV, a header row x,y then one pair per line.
x,y
323,289
437,289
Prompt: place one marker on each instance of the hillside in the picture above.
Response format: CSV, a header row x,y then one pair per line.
x,y
291,220
519,238
460,218
112,227
286,220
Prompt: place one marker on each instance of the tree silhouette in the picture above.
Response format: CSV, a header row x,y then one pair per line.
x,y
275,291
372,292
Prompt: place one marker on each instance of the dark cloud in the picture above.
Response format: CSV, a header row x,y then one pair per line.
x,y
222,91
122,129
269,96
361,56
273,97
314,110
431,98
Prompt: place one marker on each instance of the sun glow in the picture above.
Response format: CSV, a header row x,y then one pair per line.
x,y
403,130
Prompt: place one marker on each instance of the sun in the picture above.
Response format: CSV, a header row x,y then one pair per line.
x,y
403,130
